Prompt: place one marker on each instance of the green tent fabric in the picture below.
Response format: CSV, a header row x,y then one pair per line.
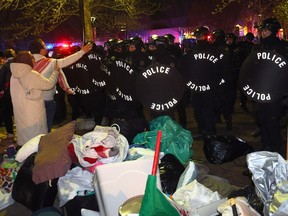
x,y
176,140
154,202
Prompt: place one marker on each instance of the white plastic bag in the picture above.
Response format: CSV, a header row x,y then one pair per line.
x,y
195,195
189,175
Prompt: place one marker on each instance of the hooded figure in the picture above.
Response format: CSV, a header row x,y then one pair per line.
x,y
26,93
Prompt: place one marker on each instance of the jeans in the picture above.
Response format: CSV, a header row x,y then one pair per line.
x,y
50,107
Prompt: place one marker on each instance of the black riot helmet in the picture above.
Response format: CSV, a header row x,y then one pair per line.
x,y
170,38
218,35
110,44
161,40
231,39
137,42
121,46
249,36
271,24
202,31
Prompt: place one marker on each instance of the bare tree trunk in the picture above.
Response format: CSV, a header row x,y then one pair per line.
x,y
85,15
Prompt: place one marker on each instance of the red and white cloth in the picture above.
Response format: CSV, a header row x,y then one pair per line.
x,y
100,146
46,66
43,63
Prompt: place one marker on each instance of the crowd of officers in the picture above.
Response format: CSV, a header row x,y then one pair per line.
x,y
217,105
209,107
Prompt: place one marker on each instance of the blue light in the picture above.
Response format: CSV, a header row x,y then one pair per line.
x,y
49,46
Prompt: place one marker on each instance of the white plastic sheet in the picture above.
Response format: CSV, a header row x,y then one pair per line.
x,y
195,195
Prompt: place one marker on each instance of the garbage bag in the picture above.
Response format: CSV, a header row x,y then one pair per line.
x,y
170,170
131,127
221,149
175,139
73,207
250,194
31,195
269,175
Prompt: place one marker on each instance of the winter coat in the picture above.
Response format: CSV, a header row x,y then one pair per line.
x,y
26,87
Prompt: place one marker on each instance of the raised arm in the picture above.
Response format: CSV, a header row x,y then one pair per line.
x,y
64,62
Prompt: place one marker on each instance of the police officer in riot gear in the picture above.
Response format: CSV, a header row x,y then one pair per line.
x,y
218,37
203,102
136,56
160,53
174,49
245,48
110,49
231,41
88,102
268,115
129,115
176,52
120,49
224,102
151,50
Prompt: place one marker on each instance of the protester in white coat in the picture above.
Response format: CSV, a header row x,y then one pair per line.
x,y
45,66
27,97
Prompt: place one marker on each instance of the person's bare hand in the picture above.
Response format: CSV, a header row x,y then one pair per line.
x,y
87,47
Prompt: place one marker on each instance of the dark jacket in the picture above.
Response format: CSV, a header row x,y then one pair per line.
x,y
273,43
5,75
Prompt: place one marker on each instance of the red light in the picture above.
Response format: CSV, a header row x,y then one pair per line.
x,y
65,46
